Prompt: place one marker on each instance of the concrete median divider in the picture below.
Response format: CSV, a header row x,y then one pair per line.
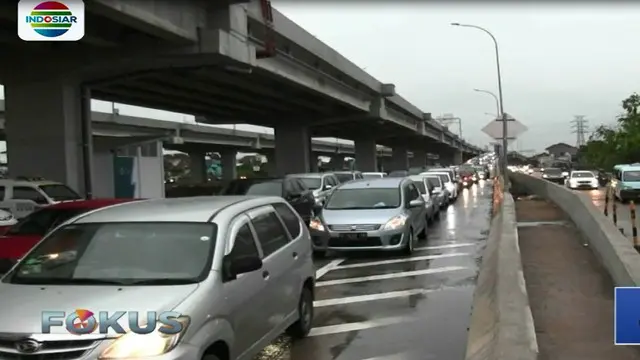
x,y
501,325
613,249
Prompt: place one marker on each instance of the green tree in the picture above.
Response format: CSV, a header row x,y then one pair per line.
x,y
617,144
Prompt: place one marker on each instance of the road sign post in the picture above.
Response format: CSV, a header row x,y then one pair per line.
x,y
505,129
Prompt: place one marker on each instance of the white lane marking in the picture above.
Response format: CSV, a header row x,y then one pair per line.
x,y
398,356
330,266
371,297
398,261
447,246
355,326
389,276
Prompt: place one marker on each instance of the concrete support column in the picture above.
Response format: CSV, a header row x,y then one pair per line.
x,y
228,162
366,154
336,162
293,149
419,158
198,166
313,162
44,122
457,157
399,158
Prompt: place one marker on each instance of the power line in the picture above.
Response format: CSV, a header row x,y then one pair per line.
x,y
580,127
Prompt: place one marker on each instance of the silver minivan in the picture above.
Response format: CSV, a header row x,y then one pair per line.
x,y
373,214
236,271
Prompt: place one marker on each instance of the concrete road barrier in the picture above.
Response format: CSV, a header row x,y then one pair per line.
x,y
615,251
501,323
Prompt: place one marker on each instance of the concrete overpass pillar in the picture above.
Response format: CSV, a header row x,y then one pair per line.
x,y
399,158
45,133
197,166
228,162
292,149
384,163
457,157
419,158
313,162
336,162
366,154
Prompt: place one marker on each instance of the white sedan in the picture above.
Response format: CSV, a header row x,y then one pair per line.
x,y
582,180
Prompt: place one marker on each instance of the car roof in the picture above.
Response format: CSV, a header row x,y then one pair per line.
x,y
258,179
89,204
188,209
629,167
439,170
387,182
416,177
19,182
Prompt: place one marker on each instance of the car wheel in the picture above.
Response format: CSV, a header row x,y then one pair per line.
x,y
302,326
408,247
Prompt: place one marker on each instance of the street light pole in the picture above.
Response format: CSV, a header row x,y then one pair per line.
x,y
494,96
502,113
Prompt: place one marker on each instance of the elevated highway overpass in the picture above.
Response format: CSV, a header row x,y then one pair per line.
x,y
210,61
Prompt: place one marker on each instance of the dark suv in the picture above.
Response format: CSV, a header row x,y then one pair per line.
x,y
290,188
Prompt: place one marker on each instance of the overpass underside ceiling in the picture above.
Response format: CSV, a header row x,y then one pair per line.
x,y
357,128
223,95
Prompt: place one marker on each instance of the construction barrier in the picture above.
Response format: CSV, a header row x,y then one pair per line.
x,y
614,212
634,228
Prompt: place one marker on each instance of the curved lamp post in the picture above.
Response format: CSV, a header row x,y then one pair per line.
x,y
501,104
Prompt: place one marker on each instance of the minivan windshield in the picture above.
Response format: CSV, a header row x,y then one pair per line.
x,y
553,171
631,176
138,253
344,177
60,192
582,174
313,183
366,198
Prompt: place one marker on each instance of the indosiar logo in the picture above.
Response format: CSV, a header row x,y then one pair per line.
x,y
51,20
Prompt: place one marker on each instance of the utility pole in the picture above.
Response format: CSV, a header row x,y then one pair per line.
x,y
580,127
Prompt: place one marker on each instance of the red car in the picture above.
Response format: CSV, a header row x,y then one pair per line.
x,y
21,237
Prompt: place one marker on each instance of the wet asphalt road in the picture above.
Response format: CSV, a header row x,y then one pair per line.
x,y
389,307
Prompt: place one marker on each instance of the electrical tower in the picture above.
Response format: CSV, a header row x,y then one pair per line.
x,y
580,127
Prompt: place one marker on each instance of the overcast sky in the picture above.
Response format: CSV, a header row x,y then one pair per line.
x,y
557,60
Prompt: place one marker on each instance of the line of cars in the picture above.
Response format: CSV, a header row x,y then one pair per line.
x,y
239,268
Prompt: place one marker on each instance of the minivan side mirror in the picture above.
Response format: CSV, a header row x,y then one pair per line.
x,y
241,265
328,187
416,203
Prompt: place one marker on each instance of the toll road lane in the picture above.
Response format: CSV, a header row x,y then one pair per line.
x,y
386,306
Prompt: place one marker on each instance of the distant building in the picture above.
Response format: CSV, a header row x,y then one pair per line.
x,y
561,150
